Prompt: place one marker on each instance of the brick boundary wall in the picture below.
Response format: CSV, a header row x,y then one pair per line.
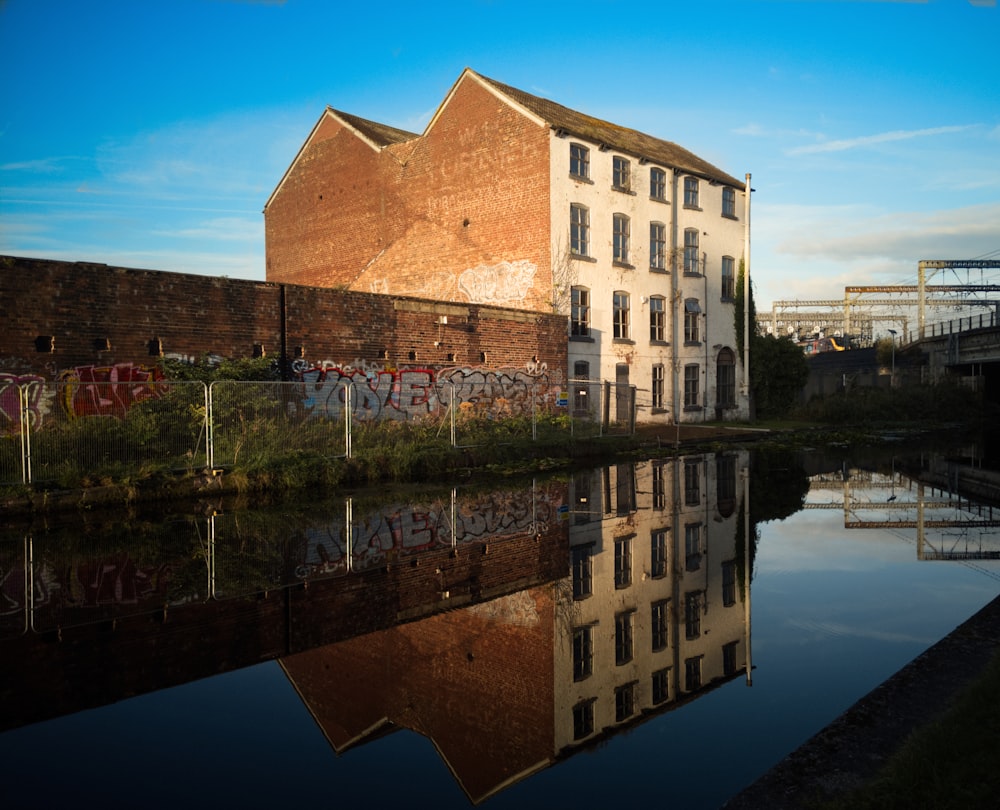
x,y
59,316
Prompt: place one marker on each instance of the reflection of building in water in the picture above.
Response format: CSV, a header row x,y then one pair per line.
x,y
654,613
943,519
657,609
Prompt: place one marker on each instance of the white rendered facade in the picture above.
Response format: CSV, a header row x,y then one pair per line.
x,y
653,254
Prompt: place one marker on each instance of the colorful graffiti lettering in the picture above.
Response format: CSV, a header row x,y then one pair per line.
x,y
10,401
107,390
410,393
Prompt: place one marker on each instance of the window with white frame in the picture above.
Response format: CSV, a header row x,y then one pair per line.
x,y
692,614
583,652
692,316
621,238
691,257
579,230
623,562
579,161
659,624
692,374
692,546
692,673
658,184
661,685
579,317
691,192
657,386
583,719
583,571
728,278
729,583
620,315
657,318
581,389
657,246
692,482
658,553
729,202
725,378
623,637
624,702
621,178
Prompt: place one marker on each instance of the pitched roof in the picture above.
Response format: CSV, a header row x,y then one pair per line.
x,y
381,134
613,136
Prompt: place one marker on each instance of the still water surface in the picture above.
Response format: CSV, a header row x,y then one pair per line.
x,y
558,643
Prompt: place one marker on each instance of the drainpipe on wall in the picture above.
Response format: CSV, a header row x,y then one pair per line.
x,y
746,293
674,294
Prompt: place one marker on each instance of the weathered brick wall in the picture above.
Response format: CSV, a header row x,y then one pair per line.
x,y
106,316
461,214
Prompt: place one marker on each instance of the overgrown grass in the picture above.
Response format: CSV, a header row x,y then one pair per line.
x,y
949,765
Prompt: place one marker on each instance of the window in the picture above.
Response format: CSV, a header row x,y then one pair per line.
x,y
621,174
658,387
659,624
692,315
620,314
725,379
624,702
583,719
583,572
625,501
691,263
691,192
658,184
692,483
579,230
623,637
729,583
728,278
623,562
579,161
657,319
729,658
581,390
661,685
658,551
692,674
659,488
725,485
583,652
729,202
692,614
579,317
621,238
657,246
691,375
692,546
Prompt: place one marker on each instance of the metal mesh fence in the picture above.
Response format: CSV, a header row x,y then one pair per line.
x,y
253,422
98,430
77,431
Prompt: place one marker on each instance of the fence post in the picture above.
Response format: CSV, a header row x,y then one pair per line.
x,y
210,416
348,410
451,407
208,428
534,414
24,429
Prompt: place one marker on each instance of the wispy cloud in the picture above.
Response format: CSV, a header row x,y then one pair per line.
x,y
870,140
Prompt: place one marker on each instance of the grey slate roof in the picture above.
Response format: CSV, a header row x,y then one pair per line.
x,y
615,137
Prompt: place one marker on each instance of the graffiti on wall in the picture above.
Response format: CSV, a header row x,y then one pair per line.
x,y
377,392
502,284
107,390
398,532
11,386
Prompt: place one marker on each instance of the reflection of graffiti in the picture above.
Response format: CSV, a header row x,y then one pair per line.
x,y
410,393
397,532
107,390
117,581
503,283
10,402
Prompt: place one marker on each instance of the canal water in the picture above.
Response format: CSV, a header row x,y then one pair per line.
x,y
654,631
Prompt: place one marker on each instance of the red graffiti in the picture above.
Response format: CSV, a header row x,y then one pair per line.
x,y
108,390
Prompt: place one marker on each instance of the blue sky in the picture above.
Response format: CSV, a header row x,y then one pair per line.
x,y
150,134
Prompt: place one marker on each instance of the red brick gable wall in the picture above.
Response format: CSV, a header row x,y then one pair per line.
x,y
462,214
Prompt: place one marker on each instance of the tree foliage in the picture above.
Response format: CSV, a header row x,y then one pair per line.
x,y
778,368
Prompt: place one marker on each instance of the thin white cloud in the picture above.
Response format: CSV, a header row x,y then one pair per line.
x,y
870,140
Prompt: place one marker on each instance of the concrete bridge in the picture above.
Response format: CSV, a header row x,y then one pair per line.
x,y
968,348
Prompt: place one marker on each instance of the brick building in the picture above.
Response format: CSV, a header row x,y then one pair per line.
x,y
511,200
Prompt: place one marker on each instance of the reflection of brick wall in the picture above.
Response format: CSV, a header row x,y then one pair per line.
x,y
82,305
478,682
459,214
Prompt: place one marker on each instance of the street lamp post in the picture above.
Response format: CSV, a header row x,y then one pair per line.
x,y
892,375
